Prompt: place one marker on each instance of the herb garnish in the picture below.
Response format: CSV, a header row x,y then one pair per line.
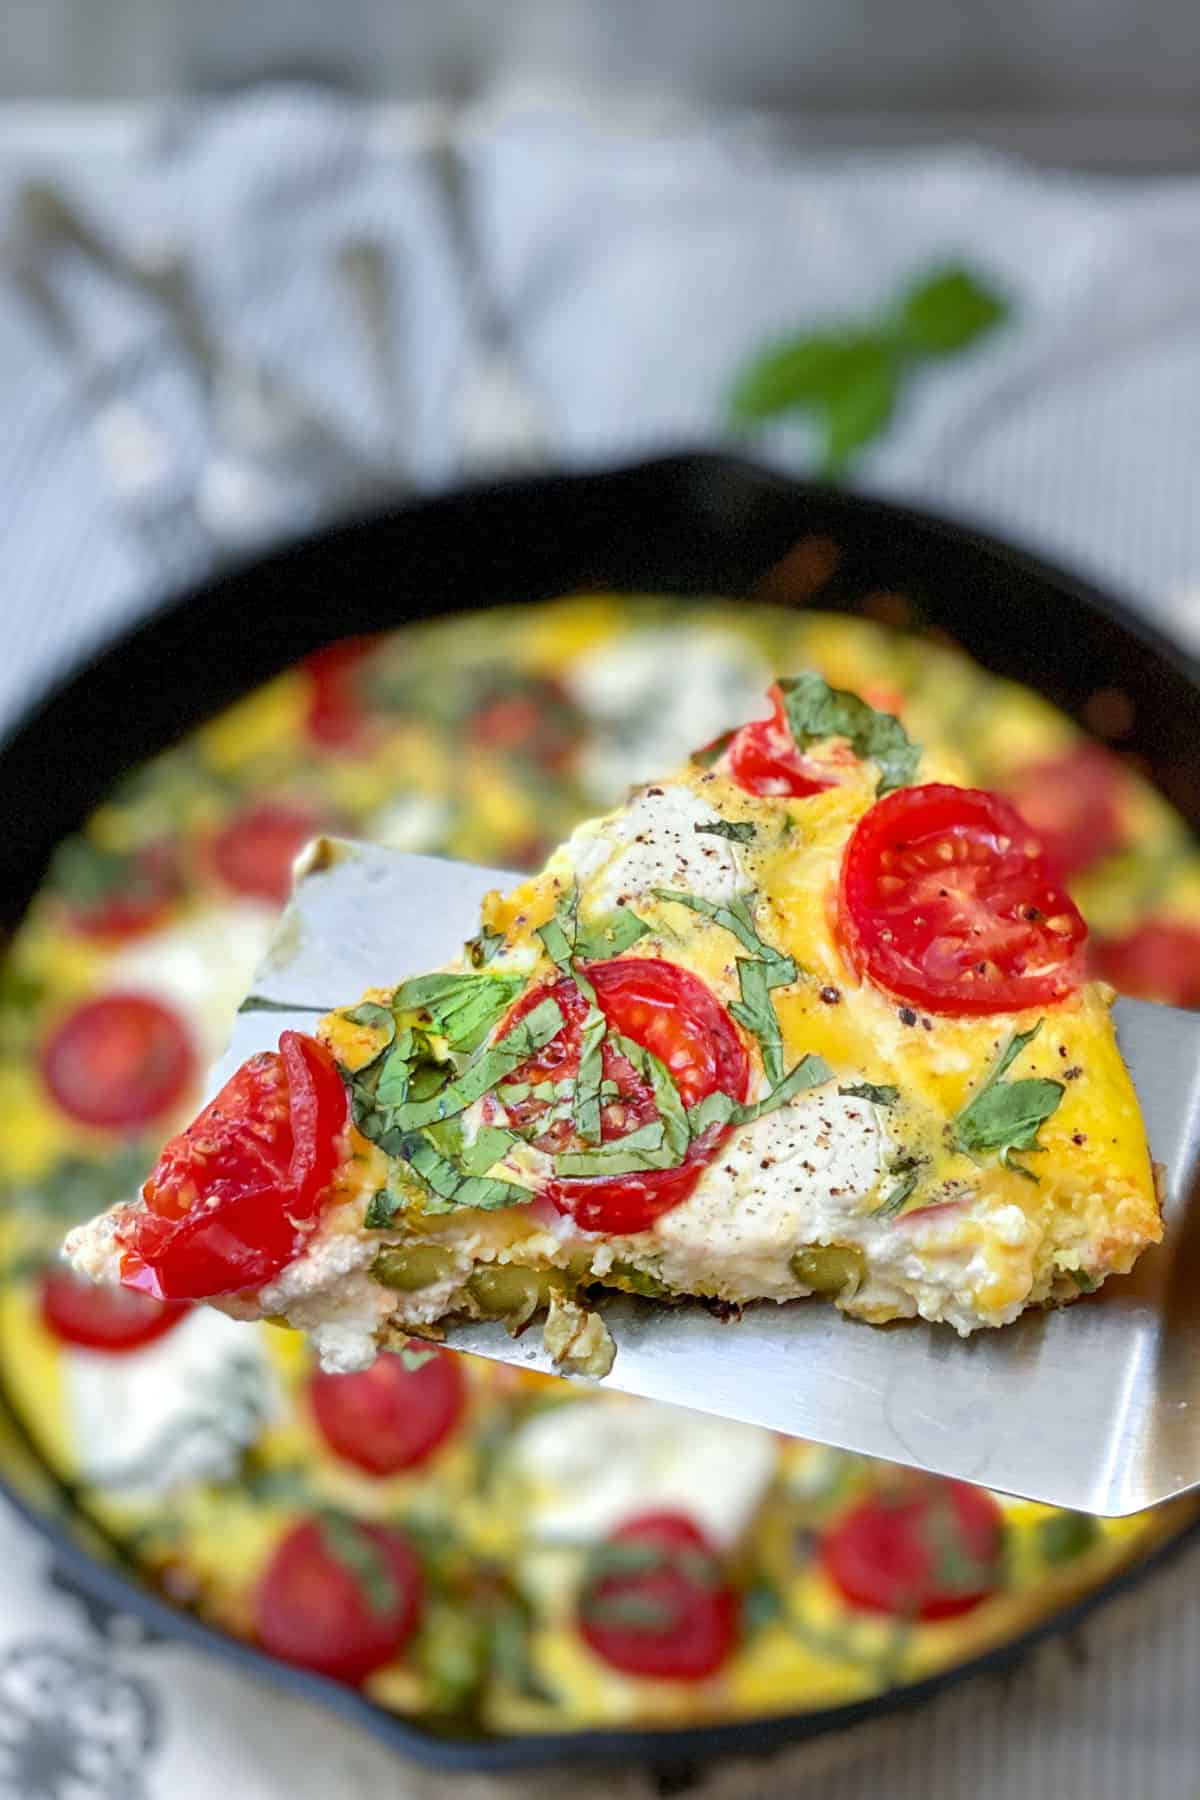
x,y
815,711
350,1544
848,378
907,1170
1007,1115
867,1090
718,1109
739,831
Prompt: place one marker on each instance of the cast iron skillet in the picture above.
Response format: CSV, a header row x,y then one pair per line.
x,y
688,524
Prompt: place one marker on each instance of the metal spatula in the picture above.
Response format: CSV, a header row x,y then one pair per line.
x,y
1095,1407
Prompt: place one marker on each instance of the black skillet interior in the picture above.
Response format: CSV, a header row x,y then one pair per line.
x,y
688,524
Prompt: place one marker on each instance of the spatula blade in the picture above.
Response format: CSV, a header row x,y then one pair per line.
x,y
1095,1407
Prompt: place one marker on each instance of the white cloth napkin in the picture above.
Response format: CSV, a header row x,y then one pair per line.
x,y
634,269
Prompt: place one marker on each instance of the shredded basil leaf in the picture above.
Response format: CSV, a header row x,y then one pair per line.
x,y
481,949
449,1188
489,1067
349,1544
372,1014
867,1090
755,1011
461,1008
739,831
671,1110
907,1170
610,936
815,711
1005,1116
585,1102
738,918
720,1109
259,1003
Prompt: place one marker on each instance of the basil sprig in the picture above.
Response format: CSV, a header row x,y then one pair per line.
x,y
738,831
815,711
1006,1116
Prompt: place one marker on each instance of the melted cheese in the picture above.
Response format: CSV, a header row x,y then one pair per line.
x,y
660,840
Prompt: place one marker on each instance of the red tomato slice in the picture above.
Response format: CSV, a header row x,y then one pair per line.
x,y
118,1061
253,854
98,1317
1073,802
764,758
534,718
947,901
144,889
390,1417
338,717
930,1551
339,1596
674,1620
670,1012
1159,960
232,1198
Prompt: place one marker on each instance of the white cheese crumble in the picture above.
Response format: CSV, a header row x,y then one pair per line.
x,y
652,844
179,1409
590,1466
797,1176
329,1294
202,966
658,694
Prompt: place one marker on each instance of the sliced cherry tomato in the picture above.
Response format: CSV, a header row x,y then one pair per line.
x,y
390,1417
764,758
232,1198
118,1061
138,894
675,1617
669,1012
98,1316
253,854
339,1596
532,716
1159,960
338,716
947,901
1073,802
930,1551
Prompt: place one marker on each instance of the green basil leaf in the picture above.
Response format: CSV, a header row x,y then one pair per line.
x,y
672,1113
948,310
739,831
448,1187
382,1208
861,411
867,1090
907,1170
812,370
609,936
1006,1116
738,918
349,1544
489,1067
370,1013
1066,1535
461,1008
585,1105
480,950
259,1003
640,1150
815,711
721,1109
490,1146
755,1011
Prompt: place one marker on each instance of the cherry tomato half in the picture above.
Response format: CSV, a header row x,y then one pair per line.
x,y
141,892
675,1618
764,758
1159,960
930,1551
253,854
339,1596
338,715
232,1198
118,1061
669,1012
390,1417
947,901
1073,802
96,1316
